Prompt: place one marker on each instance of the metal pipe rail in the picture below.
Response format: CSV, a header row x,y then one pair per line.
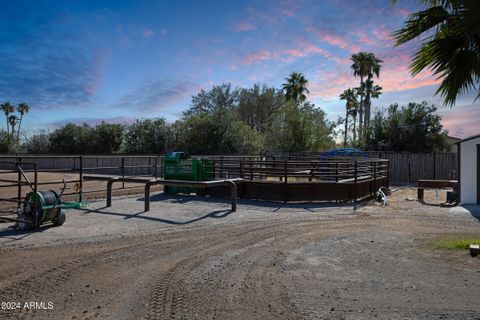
x,y
195,184
177,183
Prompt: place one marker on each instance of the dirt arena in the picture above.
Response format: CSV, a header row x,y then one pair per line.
x,y
191,258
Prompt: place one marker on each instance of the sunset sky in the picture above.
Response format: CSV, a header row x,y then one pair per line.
x,y
87,61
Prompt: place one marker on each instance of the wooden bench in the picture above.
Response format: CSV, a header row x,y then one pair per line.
x,y
434,184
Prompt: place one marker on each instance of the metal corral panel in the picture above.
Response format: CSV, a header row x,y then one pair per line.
x,y
301,191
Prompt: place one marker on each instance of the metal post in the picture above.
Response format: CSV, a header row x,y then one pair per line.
x,y
123,172
355,186
388,173
434,166
19,187
285,176
374,177
241,169
35,191
109,192
80,195
147,197
222,172
336,172
156,167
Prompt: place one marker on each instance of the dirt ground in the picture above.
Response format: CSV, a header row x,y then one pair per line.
x,y
191,258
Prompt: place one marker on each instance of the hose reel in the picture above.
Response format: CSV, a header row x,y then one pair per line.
x,y
48,209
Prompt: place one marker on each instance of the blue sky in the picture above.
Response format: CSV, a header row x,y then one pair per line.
x,y
87,61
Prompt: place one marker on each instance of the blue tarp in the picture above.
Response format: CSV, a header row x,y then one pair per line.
x,y
345,152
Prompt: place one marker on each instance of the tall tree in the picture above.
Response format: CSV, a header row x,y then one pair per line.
x,y
296,88
257,106
222,97
22,108
13,120
369,90
365,65
7,108
350,97
452,52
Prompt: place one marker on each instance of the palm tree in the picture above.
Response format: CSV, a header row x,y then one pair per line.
x,y
13,120
22,108
369,90
7,108
365,64
350,97
452,53
296,87
354,113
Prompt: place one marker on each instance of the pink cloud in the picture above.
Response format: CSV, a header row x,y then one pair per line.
x,y
364,39
244,26
295,52
461,122
258,56
334,40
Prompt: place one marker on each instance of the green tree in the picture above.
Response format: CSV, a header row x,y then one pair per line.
x,y
72,139
218,98
350,97
257,106
412,128
7,108
296,88
38,143
219,132
303,128
22,109
7,143
149,136
365,65
108,138
452,51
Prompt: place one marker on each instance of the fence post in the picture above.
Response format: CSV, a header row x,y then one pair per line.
x,y
19,191
80,178
241,169
35,191
388,173
355,186
374,177
285,184
434,167
336,171
123,171
222,172
156,167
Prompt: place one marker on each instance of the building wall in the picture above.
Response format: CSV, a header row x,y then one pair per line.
x,y
468,171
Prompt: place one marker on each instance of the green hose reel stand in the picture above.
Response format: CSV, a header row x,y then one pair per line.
x,y
49,208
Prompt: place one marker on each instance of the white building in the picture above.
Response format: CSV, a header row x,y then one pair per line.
x,y
469,169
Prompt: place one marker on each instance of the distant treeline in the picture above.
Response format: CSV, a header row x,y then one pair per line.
x,y
228,120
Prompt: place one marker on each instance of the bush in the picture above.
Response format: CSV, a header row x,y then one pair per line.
x,y
147,137
412,128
